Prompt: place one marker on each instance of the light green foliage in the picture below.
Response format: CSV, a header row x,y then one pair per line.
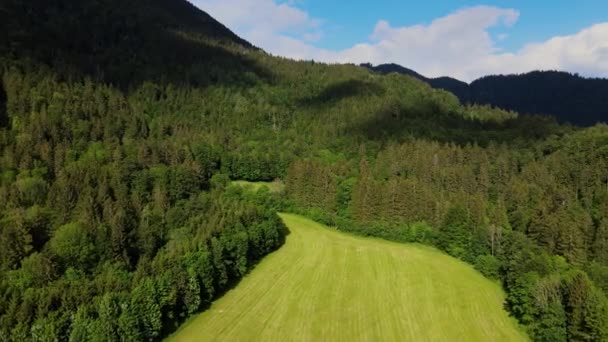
x,y
487,113
488,265
73,245
32,188
276,186
118,144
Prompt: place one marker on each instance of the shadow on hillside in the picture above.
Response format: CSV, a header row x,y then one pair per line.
x,y
390,124
3,112
343,90
128,43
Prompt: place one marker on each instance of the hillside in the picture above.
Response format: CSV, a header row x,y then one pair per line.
x,y
454,86
326,285
569,98
130,152
118,42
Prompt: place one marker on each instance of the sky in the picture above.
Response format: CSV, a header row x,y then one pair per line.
x,y
461,39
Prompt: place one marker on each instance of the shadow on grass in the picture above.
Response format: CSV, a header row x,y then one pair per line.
x,y
172,327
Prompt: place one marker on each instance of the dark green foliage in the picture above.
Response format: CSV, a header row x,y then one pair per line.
x,y
552,323
523,216
489,266
599,274
567,97
454,235
201,258
15,241
570,98
110,225
118,144
3,114
123,44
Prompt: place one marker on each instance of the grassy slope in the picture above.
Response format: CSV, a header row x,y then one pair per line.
x,y
275,186
326,285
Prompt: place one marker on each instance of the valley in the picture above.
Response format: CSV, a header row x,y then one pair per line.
x,y
327,285
145,161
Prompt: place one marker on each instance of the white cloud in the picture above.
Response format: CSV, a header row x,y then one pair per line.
x,y
313,36
447,46
457,45
585,52
261,21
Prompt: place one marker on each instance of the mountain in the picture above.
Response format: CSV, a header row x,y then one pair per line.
x,y
392,67
119,42
568,97
456,87
126,125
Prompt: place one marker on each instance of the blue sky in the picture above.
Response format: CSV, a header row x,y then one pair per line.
x,y
539,20
464,39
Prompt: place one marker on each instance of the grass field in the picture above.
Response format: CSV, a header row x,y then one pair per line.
x,y
274,186
323,285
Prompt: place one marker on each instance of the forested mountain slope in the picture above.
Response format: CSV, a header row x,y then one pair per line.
x,y
119,42
567,97
456,87
122,123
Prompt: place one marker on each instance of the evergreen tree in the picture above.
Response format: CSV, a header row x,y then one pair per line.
x,y
455,232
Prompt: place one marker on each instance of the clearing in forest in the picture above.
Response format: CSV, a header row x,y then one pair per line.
x,y
276,186
324,285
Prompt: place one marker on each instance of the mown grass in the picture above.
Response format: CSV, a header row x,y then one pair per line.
x,y
324,285
276,186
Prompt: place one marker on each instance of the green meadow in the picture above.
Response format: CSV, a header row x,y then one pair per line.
x,y
276,186
324,285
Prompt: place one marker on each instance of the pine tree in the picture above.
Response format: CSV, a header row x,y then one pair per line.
x,y
366,195
600,244
455,232
15,241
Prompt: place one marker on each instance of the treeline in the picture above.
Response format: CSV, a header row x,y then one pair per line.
x,y
568,97
113,225
534,219
81,287
121,174
117,145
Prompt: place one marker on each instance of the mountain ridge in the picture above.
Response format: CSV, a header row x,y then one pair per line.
x,y
126,127
123,43
568,97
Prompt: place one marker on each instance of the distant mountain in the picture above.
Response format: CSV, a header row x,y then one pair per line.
x,y
392,67
568,97
124,122
458,88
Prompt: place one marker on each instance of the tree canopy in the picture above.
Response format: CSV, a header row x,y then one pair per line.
x,y
118,143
